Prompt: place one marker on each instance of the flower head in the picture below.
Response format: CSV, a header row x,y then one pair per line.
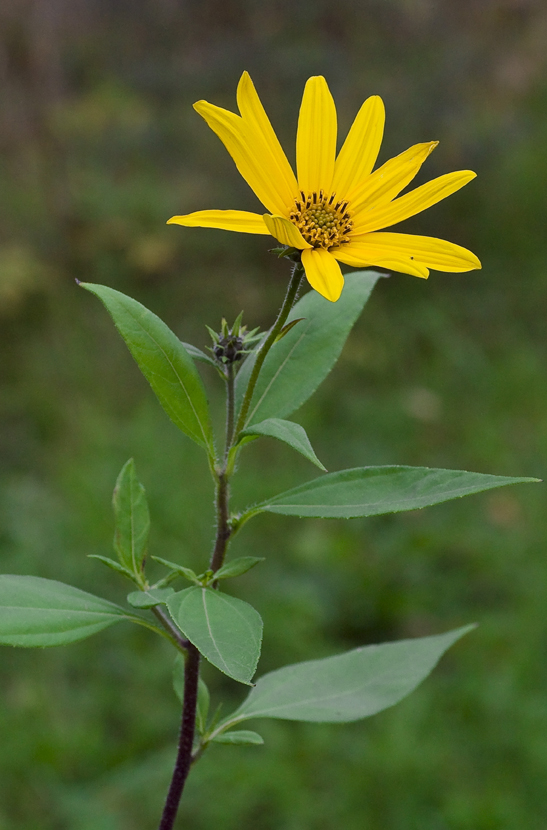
x,y
338,207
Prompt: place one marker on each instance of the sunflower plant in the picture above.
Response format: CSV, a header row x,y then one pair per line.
x,y
334,211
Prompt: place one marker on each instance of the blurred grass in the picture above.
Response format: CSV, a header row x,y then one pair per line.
x,y
99,147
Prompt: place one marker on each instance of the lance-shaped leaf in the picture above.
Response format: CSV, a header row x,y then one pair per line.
x,y
243,737
238,566
227,631
372,491
111,563
290,433
44,612
164,362
178,570
296,365
346,687
132,519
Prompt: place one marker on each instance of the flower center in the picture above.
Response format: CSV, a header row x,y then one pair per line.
x,y
323,221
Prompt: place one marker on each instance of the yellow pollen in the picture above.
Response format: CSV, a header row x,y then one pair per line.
x,y
323,221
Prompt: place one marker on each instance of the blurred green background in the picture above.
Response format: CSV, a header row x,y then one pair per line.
x,y
100,146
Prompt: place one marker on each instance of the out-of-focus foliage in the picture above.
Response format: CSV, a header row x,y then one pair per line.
x,y
100,146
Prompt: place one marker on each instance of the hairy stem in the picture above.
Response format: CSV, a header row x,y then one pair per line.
x,y
223,480
288,302
186,739
223,525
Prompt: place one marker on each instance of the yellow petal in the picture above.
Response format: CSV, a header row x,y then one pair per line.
x,y
226,220
424,250
361,255
262,135
250,160
360,149
316,137
323,273
285,231
414,202
387,182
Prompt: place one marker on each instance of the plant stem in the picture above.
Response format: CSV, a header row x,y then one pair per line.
x,y
288,302
223,479
223,525
223,533
186,739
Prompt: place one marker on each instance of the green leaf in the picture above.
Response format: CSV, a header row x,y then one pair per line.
x,y
132,519
187,573
202,709
150,598
164,362
111,563
287,327
227,631
292,434
346,687
372,491
296,365
43,612
243,737
238,566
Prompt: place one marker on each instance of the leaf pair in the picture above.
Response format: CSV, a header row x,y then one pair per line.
x,y
236,567
293,369
346,687
339,689
37,612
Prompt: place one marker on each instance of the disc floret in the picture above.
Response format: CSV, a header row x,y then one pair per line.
x,y
324,221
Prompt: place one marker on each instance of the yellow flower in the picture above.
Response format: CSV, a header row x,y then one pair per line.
x,y
333,212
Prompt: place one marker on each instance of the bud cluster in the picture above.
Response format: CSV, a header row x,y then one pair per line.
x,y
231,344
